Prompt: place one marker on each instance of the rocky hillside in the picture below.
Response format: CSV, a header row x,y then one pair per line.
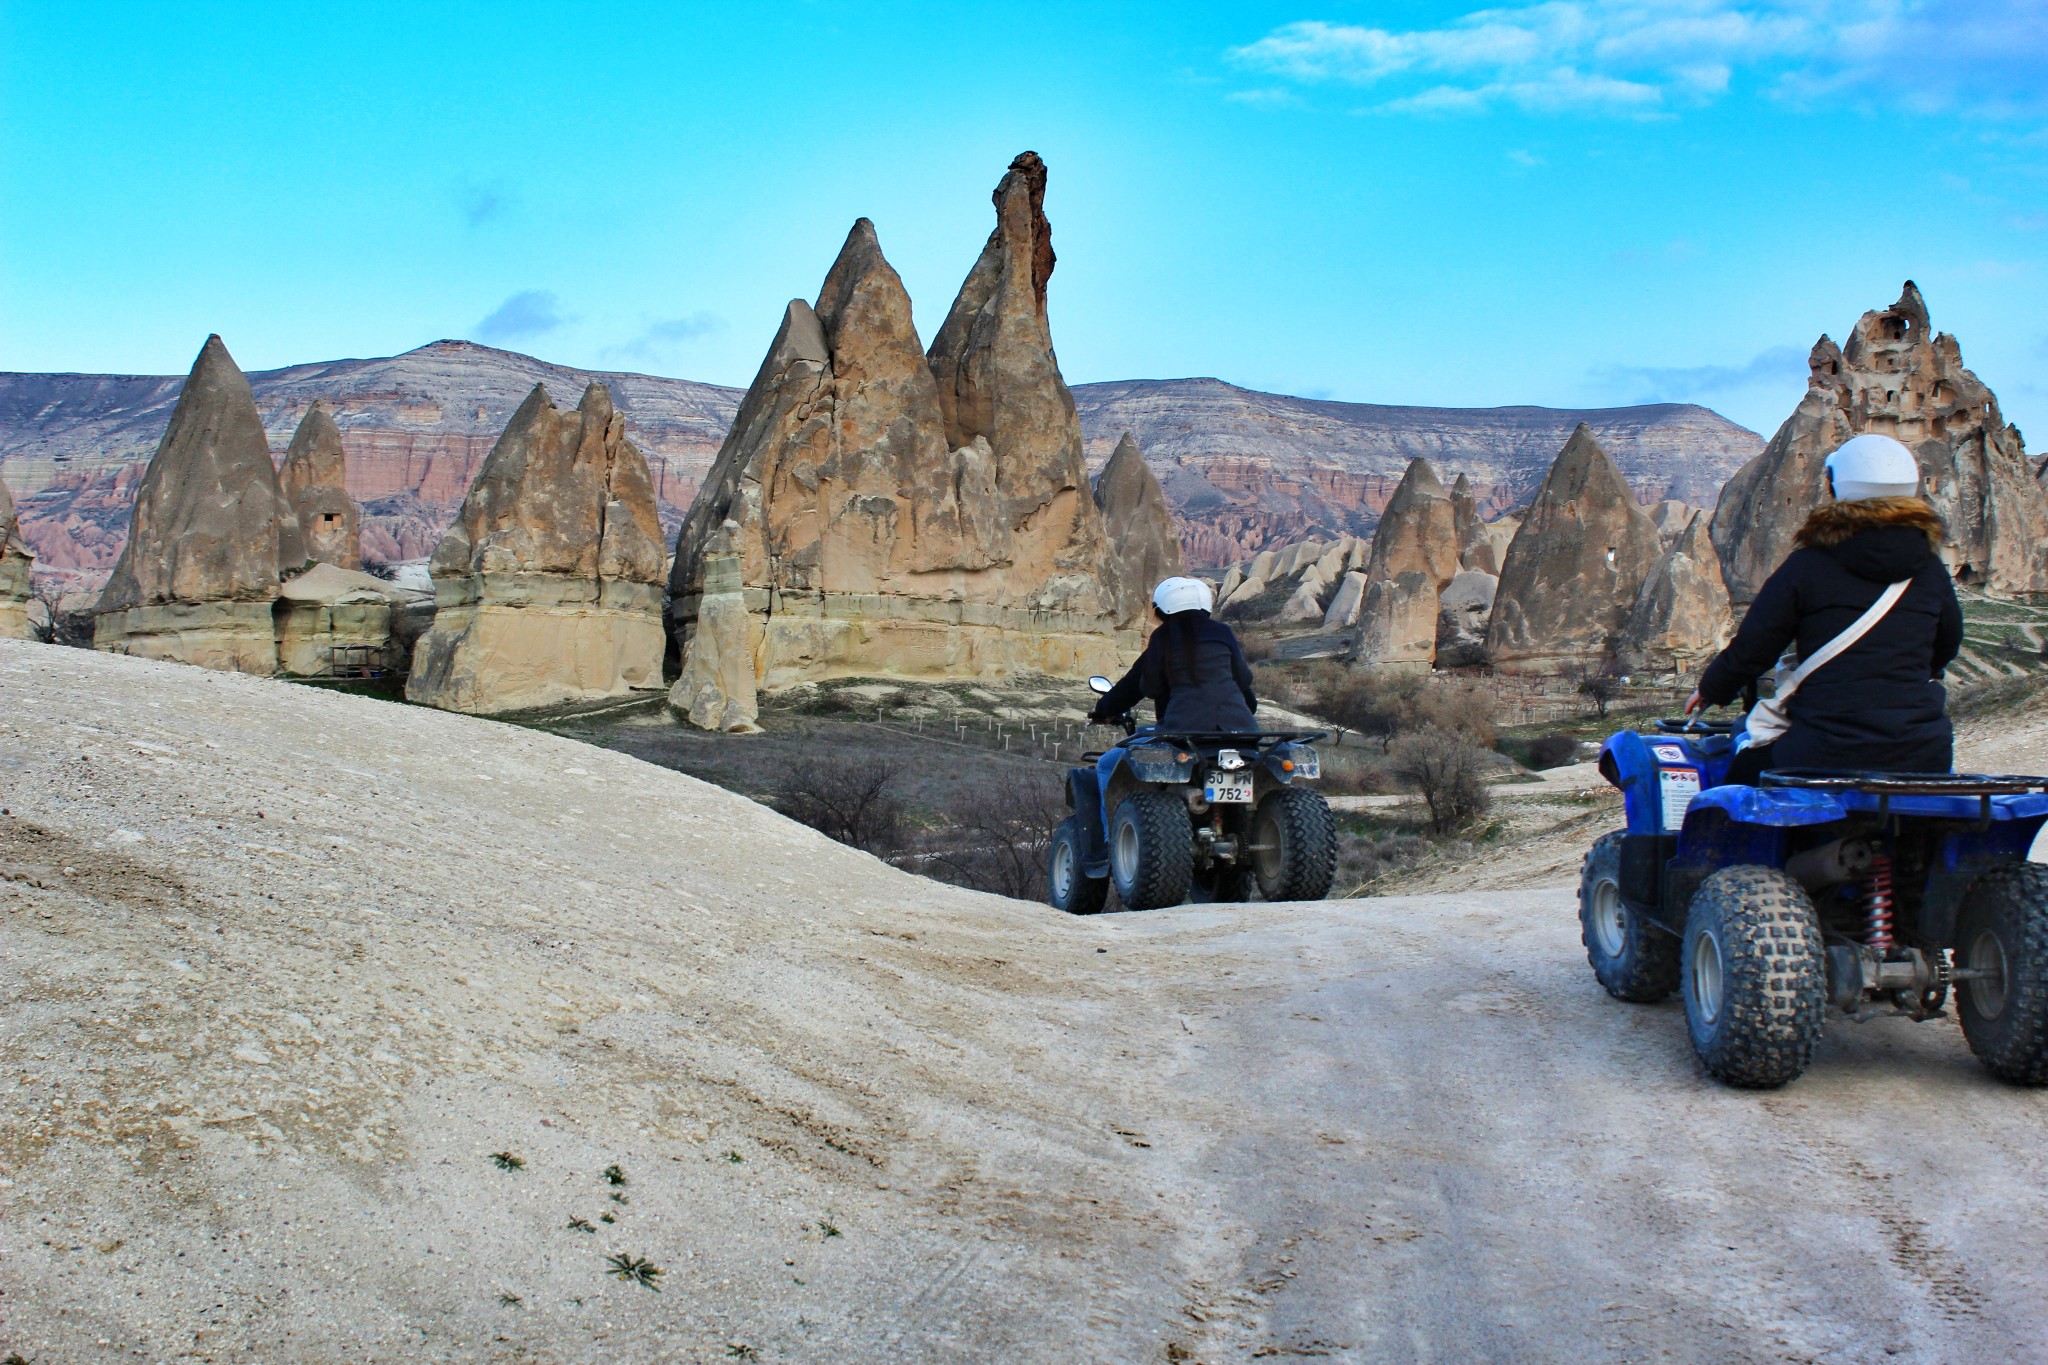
x,y
1242,469
1246,470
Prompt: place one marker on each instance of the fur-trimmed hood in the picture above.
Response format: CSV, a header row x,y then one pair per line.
x,y
1831,523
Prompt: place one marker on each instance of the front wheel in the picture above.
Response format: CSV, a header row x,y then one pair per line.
x,y
1294,845
1753,977
1151,850
1067,885
2002,932
1634,959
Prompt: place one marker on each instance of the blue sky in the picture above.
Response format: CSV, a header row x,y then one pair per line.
x,y
1578,202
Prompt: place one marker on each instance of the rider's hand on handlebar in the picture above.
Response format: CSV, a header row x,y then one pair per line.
x,y
1695,704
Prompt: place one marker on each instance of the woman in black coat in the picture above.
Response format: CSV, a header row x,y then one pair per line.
x,y
1880,704
1192,668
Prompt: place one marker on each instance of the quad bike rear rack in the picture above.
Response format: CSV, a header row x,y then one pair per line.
x,y
1885,786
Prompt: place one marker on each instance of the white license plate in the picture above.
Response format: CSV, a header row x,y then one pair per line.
x,y
1228,789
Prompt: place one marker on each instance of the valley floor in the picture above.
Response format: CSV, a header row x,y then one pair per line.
x,y
324,1018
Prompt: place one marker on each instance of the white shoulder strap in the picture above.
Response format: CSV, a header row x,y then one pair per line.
x,y
1858,628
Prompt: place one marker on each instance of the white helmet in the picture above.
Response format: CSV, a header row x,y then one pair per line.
x,y
1873,466
1182,594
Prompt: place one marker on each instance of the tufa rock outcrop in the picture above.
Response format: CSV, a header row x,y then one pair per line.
x,y
209,537
1894,377
1145,547
1463,609
315,482
15,564
1415,554
548,586
716,690
1681,617
331,620
905,515
1574,568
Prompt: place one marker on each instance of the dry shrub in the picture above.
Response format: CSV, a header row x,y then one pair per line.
x,y
998,836
852,800
1385,706
1448,772
1552,751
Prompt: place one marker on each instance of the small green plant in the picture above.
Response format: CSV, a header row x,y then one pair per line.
x,y
614,1176
510,1300
734,1157
582,1225
606,1218
508,1162
637,1269
741,1350
829,1229
618,1198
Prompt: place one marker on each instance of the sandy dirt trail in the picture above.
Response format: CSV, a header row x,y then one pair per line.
x,y
280,970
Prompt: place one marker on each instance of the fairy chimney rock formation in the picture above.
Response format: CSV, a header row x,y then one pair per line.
x,y
1415,553
716,690
1144,546
914,515
548,586
1898,378
1574,568
210,535
1681,616
15,563
315,481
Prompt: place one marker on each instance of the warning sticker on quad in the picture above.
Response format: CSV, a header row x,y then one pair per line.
x,y
1677,787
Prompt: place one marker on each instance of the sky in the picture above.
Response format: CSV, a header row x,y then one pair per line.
x,y
1572,203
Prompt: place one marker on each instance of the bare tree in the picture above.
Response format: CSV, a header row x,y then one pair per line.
x,y
57,626
1448,773
1597,683
999,836
852,800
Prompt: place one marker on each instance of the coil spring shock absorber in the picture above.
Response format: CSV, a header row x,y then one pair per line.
x,y
1877,904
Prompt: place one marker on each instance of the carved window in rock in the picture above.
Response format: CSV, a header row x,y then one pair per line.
x,y
1610,556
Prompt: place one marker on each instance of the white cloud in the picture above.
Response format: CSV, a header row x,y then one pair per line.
x,y
1985,58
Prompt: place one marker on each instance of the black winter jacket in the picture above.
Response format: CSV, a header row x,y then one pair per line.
x,y
1879,704
1195,674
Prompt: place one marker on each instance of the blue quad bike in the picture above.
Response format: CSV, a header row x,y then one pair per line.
x,y
1160,813
1873,893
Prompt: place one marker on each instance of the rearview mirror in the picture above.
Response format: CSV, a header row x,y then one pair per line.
x,y
1098,683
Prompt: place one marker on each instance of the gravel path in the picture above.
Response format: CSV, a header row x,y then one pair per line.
x,y
282,970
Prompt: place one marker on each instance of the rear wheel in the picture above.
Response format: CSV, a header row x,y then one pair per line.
x,y
1753,977
1066,885
1151,850
2002,930
1294,845
1633,958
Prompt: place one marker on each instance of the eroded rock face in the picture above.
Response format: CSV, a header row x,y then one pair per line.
x,y
1145,547
548,586
1346,602
1417,539
1397,622
15,563
1898,378
330,620
209,535
902,514
315,482
1574,568
716,690
1681,617
1462,612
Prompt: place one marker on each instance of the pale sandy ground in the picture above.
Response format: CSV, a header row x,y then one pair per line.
x,y
279,970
